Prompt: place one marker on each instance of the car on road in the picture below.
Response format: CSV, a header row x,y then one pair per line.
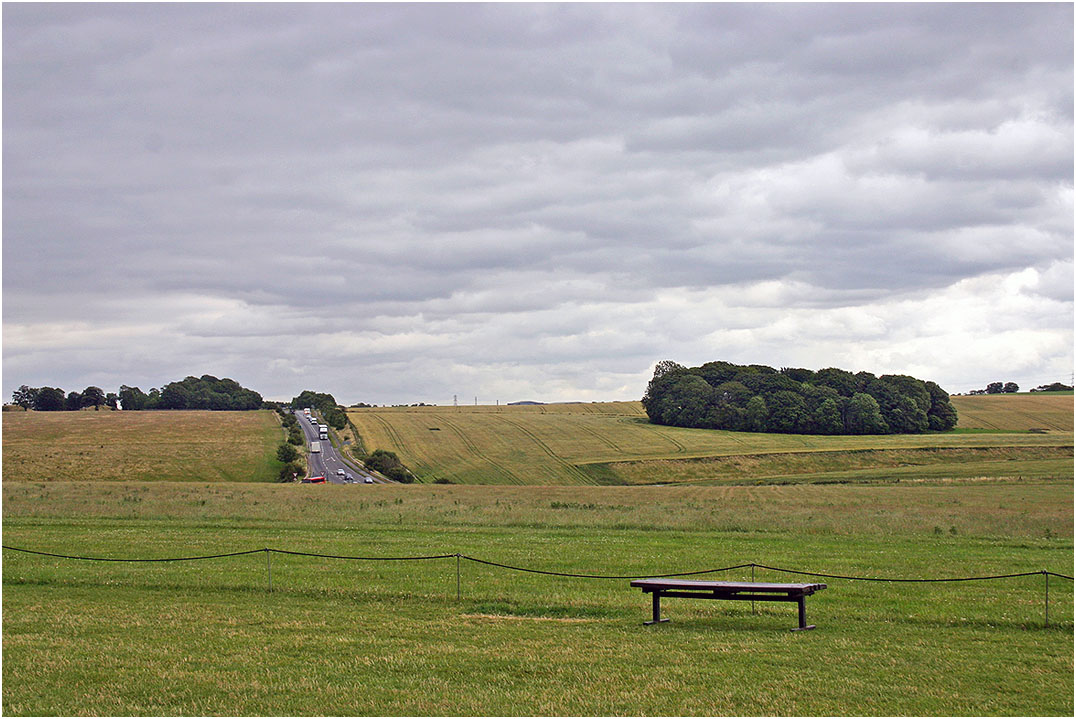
x,y
368,480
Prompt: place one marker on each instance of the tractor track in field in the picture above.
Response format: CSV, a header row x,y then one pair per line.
x,y
601,438
473,449
571,468
391,433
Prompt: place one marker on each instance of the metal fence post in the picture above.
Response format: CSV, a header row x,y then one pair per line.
x,y
457,576
269,569
1047,575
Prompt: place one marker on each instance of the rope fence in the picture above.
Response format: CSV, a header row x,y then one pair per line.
x,y
268,551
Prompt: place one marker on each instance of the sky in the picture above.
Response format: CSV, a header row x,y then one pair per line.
x,y
400,203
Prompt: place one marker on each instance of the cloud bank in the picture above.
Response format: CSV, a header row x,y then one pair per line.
x,y
401,203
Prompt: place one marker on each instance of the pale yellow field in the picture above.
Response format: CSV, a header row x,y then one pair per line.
x,y
164,445
562,444
1018,411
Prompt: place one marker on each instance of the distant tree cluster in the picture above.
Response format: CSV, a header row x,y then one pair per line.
x,y
756,398
998,388
1055,387
389,465
205,392
325,404
53,399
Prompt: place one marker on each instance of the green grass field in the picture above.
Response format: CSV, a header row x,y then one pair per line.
x,y
195,446
345,637
612,443
342,637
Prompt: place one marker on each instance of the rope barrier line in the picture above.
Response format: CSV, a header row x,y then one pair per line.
x,y
900,579
529,570
364,559
598,576
124,559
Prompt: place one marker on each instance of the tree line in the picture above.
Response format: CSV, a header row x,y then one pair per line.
x,y
325,404
205,392
1011,387
757,398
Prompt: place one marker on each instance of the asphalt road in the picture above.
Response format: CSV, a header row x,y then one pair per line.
x,y
326,462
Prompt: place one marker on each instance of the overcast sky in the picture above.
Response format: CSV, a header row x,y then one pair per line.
x,y
402,203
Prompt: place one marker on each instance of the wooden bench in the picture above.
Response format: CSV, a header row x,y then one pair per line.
x,y
747,591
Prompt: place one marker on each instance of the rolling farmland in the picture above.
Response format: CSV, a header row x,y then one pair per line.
x,y
612,443
170,445
1039,411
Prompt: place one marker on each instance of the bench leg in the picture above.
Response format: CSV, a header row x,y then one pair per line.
x,y
802,603
656,609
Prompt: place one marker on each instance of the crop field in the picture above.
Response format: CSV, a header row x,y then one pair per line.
x,y
614,444
1039,411
146,446
350,637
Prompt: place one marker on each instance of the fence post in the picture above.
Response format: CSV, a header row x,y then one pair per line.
x,y
269,569
753,579
1047,575
457,576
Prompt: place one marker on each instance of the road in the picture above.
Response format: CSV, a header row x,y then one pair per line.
x,y
326,462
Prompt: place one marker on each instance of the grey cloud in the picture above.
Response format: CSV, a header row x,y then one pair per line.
x,y
420,178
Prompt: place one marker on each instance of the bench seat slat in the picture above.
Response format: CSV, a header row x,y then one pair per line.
x,y
725,587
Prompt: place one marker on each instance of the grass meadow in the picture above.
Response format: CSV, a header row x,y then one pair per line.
x,y
272,634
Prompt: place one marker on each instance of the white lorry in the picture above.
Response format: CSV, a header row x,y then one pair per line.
x,y
315,447
323,430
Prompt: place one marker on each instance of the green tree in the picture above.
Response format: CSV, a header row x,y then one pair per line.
x,y
73,401
758,414
290,472
864,416
788,412
287,453
388,464
93,397
941,417
132,398
827,418
25,397
49,399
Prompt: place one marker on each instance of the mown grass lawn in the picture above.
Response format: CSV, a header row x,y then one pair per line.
x,y
340,637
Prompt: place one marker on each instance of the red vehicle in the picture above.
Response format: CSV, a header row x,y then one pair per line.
x,y
314,480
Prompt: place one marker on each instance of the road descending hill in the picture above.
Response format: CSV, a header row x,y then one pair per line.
x,y
612,443
171,445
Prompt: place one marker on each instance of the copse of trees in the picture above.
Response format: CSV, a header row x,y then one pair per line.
x,y
389,465
998,388
1055,387
52,399
757,398
205,392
